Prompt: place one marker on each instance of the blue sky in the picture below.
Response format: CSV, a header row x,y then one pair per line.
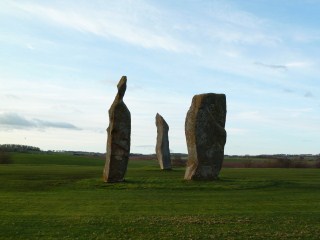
x,y
60,62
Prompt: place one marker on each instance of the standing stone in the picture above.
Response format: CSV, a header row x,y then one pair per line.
x,y
162,146
206,136
118,144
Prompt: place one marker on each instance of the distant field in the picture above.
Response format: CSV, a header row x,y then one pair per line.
x,y
62,196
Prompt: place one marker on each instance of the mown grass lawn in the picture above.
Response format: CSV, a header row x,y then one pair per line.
x,y
63,197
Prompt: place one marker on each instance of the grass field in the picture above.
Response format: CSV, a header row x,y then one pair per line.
x,y
63,197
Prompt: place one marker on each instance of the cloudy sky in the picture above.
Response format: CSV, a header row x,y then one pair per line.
x,y
60,62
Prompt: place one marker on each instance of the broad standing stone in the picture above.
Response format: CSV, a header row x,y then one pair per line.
x,y
162,146
118,144
206,136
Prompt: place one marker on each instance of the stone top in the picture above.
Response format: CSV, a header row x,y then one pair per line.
x,y
161,122
122,86
200,101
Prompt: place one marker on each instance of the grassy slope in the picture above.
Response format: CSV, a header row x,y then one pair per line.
x,y
63,197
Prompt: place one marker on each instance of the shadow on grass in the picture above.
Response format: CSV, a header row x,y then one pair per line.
x,y
222,184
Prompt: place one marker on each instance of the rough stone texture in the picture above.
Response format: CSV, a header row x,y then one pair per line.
x,y
206,136
162,146
118,144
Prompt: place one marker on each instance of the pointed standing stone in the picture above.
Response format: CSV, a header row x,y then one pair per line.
x,y
119,131
162,146
206,136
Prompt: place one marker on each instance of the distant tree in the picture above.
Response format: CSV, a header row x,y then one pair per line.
x,y
177,160
18,148
317,164
248,163
284,162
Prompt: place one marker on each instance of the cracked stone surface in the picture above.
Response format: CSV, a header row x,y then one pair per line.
x,y
162,146
206,136
119,132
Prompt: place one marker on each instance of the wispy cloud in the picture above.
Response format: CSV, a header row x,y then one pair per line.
x,y
255,116
226,31
46,124
145,146
118,21
294,112
12,96
308,94
30,46
15,121
288,90
231,25
299,64
306,36
236,131
272,66
284,67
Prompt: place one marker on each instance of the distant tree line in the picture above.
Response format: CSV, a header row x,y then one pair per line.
x,y
5,158
272,163
18,148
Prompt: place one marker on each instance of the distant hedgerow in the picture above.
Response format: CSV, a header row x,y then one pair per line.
x,y
18,148
5,158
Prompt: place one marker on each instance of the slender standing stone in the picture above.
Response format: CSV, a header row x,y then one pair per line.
x,y
206,136
118,144
162,146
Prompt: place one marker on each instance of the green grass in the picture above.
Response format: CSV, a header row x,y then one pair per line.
x,y
55,158
63,197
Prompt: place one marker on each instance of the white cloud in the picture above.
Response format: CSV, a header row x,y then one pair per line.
x,y
15,121
306,36
236,131
308,94
296,112
114,21
56,139
254,116
30,46
226,23
272,66
300,64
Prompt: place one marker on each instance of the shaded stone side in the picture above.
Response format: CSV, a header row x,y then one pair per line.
x,y
205,136
119,132
162,146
